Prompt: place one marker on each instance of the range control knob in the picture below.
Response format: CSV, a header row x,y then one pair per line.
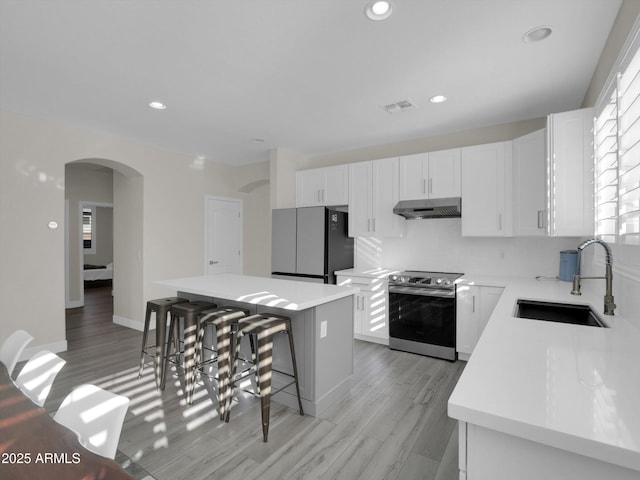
x,y
438,281
447,282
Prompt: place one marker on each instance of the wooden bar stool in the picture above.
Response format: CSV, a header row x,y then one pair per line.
x,y
160,307
189,313
225,321
264,327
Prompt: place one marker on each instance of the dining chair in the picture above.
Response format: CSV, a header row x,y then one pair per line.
x,y
37,376
96,415
12,348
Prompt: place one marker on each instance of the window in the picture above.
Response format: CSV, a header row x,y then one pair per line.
x,y
617,149
606,169
89,229
629,152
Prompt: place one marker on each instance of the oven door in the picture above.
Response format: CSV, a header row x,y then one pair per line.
x,y
423,315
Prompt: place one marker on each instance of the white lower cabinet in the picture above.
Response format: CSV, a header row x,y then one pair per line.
x,y
474,306
486,454
370,308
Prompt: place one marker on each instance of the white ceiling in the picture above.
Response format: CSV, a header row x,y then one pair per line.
x,y
309,75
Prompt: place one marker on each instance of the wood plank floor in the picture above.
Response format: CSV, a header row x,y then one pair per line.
x,y
392,424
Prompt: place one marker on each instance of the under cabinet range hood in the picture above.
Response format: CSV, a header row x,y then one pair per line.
x,y
429,208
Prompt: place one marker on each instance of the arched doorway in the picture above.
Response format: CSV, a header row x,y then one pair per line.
x,y
110,183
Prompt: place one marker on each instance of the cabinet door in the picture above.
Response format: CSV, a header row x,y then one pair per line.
x,y
486,186
322,186
444,174
336,190
375,322
570,158
474,306
413,176
467,310
360,197
309,187
370,317
530,185
359,314
385,223
489,297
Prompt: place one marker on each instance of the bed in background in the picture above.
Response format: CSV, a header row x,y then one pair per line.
x,y
98,275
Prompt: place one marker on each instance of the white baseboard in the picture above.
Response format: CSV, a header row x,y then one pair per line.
x,y
55,347
367,338
127,322
74,304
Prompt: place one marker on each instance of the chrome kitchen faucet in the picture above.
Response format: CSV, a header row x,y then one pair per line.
x,y
609,305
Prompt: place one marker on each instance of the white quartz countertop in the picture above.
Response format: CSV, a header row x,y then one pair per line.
x,y
271,292
572,387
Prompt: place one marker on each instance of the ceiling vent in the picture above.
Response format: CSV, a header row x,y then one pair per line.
x,y
401,106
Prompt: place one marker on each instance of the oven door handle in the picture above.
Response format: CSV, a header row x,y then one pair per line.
x,y
423,292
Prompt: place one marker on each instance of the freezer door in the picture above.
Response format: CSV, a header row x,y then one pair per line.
x,y
283,240
311,241
339,245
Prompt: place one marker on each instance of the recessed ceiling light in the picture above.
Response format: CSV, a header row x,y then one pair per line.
x,y
378,10
537,34
438,99
157,105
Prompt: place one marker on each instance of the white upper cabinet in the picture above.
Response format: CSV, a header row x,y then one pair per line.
x,y
570,167
373,192
430,175
530,185
487,186
414,173
322,186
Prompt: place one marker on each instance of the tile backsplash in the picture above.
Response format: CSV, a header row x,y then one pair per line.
x,y
438,245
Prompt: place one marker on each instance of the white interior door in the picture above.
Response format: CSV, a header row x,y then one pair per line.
x,y
223,232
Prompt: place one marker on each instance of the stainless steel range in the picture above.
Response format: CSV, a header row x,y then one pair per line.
x,y
422,313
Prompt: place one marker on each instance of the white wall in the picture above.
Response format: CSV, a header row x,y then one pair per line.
x,y
627,14
476,136
437,245
626,277
32,280
158,219
283,164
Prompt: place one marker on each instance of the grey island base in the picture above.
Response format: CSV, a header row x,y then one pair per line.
x,y
322,323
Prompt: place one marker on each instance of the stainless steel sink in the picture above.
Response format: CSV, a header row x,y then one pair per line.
x,y
558,312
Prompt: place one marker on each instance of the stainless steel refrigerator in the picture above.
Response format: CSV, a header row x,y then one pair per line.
x,y
310,244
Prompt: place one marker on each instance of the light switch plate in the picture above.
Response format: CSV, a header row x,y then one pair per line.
x,y
323,329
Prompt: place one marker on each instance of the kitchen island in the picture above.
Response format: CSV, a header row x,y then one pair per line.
x,y
540,399
322,322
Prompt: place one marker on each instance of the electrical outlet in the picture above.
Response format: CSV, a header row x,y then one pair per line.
x,y
323,329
